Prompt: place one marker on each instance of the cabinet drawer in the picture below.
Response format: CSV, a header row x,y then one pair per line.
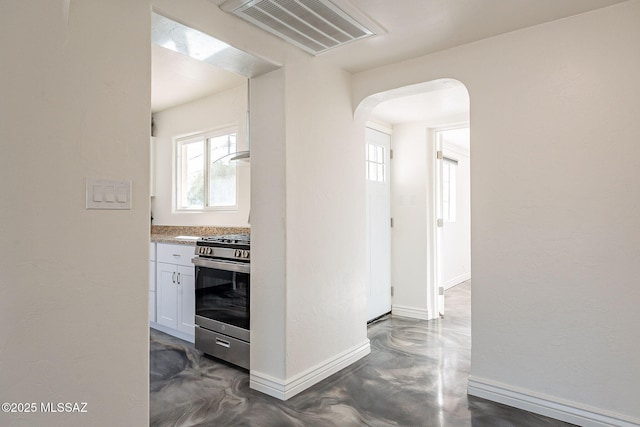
x,y
223,347
175,254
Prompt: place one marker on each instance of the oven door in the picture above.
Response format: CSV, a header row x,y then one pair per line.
x,y
222,296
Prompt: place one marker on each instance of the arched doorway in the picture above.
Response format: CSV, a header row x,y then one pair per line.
x,y
417,117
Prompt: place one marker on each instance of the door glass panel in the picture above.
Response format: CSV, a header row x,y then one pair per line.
x,y
375,163
223,296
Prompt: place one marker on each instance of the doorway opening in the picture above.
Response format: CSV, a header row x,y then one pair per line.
x,y
425,122
452,200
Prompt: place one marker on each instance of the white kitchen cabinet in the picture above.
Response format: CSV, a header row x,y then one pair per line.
x,y
167,295
175,289
152,282
187,300
175,254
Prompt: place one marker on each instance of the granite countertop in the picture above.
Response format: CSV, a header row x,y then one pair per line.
x,y
187,235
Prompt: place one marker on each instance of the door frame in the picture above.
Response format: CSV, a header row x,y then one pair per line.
x,y
435,295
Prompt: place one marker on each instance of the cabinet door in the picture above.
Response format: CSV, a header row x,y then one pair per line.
x,y
167,295
152,284
152,306
152,276
187,300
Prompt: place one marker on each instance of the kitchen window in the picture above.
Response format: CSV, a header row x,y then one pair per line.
x,y
206,178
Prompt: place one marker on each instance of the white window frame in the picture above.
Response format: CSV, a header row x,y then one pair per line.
x,y
375,167
178,142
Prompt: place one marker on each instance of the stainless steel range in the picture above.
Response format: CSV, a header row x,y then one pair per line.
x,y
222,270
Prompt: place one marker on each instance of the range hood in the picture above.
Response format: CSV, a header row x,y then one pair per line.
x,y
246,154
241,155
312,25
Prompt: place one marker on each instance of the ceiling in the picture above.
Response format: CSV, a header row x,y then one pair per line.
x,y
178,78
412,28
419,27
436,107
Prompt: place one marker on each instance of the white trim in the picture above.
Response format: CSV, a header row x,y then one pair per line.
x,y
173,332
411,312
456,280
286,389
380,126
550,406
452,126
456,150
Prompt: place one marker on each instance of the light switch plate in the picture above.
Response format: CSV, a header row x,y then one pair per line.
x,y
108,194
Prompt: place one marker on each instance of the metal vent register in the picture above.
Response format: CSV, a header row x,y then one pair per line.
x,y
312,25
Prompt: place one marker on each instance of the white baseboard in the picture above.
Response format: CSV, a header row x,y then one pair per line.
x,y
285,389
173,332
549,406
410,312
456,280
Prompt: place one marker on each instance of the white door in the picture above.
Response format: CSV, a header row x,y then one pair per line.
x,y
378,196
167,295
186,283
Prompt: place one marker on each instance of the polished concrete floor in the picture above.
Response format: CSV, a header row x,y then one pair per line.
x,y
416,375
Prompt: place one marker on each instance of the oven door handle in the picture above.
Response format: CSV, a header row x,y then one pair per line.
x,y
222,265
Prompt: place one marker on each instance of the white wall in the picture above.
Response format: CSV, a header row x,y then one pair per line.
x,y
222,110
73,289
268,246
554,214
411,183
326,264
308,271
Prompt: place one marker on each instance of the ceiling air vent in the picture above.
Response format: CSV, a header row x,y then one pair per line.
x,y
313,25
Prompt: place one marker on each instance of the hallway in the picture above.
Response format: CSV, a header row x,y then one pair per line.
x,y
416,375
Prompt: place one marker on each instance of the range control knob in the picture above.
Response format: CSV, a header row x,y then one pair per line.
x,y
245,254
209,251
237,253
